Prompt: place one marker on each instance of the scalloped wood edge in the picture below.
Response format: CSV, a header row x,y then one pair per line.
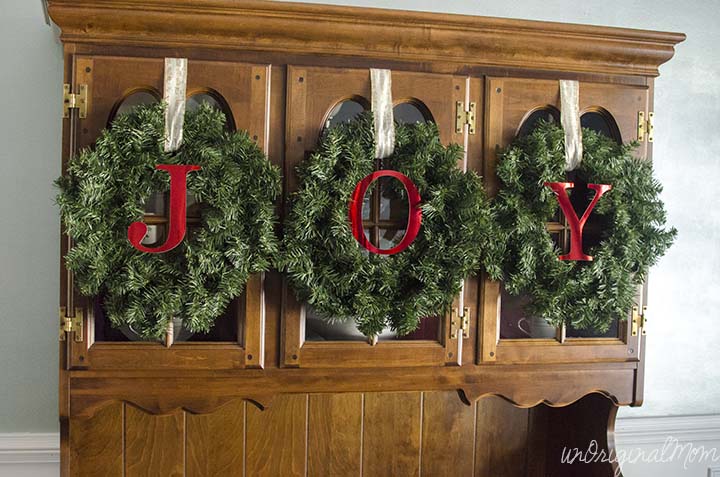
x,y
470,395
152,406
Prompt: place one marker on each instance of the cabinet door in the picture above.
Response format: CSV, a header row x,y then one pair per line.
x,y
318,98
513,106
116,85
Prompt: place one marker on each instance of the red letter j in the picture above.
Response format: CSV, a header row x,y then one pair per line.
x,y
176,225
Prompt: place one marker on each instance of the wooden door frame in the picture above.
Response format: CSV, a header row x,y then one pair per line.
x,y
499,131
303,126
249,349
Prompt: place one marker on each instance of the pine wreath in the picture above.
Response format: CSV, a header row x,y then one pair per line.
x,y
105,189
329,269
587,295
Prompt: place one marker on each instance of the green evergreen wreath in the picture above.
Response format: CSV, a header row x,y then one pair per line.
x,y
588,295
105,189
332,272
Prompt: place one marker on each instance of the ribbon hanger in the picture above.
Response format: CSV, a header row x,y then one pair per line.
x,y
382,108
570,121
174,97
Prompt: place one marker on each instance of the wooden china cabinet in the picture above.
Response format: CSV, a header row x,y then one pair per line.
x,y
273,390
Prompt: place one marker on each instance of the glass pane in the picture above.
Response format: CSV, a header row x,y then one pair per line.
x,y
133,100
368,234
515,323
601,123
548,114
429,329
410,113
612,332
194,102
393,201
154,235
155,207
390,237
227,327
192,206
318,328
367,203
343,112
155,204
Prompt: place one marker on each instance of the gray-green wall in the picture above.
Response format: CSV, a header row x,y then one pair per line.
x,y
682,371
30,125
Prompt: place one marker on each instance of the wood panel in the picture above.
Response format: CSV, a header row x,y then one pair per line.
x,y
216,442
243,87
346,434
620,101
96,445
335,434
392,434
154,445
448,435
538,424
276,437
501,438
109,80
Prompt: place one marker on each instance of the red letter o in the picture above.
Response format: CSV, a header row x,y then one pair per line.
x,y
414,212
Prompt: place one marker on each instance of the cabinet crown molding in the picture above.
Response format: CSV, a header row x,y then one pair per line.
x,y
459,41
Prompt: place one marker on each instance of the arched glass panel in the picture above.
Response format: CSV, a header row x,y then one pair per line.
x,y
548,114
342,112
601,122
195,100
411,112
134,100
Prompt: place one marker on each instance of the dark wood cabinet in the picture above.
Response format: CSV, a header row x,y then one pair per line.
x,y
268,395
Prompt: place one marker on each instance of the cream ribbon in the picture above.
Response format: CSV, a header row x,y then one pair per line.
x,y
174,97
382,108
570,120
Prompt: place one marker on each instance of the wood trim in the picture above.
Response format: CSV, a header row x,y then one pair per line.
x,y
489,319
254,326
359,354
292,328
572,350
639,431
155,356
524,386
364,32
26,448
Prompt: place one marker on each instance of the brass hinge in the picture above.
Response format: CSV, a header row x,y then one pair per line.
x,y
75,101
460,323
463,117
70,324
639,320
645,127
